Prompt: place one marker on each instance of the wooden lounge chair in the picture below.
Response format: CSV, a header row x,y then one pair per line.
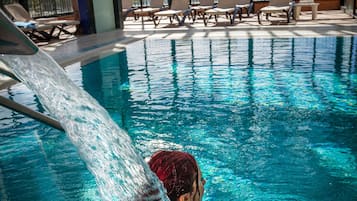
x,y
179,8
204,5
36,32
224,7
276,6
127,8
244,4
155,6
19,14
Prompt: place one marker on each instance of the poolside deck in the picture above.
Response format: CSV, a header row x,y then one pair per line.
x,y
328,23
78,48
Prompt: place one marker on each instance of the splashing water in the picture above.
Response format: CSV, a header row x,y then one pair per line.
x,y
121,173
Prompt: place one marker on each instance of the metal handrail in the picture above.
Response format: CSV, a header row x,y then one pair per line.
x,y
31,113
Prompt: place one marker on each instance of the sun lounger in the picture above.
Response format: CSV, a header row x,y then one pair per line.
x,y
34,30
19,14
155,6
127,8
37,32
202,7
244,4
179,8
224,7
274,7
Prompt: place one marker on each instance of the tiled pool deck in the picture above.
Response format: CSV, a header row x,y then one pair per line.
x,y
79,48
328,23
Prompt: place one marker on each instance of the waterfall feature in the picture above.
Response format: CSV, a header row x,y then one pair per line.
x,y
120,172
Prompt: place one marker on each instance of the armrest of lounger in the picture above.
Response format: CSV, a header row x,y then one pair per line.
x,y
46,19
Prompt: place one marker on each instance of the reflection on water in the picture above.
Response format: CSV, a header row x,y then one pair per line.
x,y
252,111
267,119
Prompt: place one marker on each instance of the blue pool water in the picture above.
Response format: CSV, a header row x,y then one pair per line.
x,y
267,119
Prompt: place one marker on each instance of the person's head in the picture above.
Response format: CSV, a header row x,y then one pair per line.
x,y
180,175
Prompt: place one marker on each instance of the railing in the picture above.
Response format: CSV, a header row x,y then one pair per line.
x,y
44,8
3,2
136,3
41,8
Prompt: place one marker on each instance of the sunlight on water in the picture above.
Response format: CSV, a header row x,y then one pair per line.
x,y
121,174
266,119
249,110
339,161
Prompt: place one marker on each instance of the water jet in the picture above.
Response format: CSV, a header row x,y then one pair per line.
x,y
120,172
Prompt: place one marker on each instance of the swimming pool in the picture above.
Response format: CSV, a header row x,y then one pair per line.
x,y
267,119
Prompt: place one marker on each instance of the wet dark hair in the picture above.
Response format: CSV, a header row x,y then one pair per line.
x,y
177,170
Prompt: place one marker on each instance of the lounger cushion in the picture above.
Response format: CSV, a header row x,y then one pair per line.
x,y
146,10
168,13
62,22
201,7
26,25
242,5
272,9
219,11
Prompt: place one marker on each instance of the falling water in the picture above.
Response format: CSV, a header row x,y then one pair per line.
x,y
120,172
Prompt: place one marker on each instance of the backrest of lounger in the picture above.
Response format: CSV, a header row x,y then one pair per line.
x,y
242,2
125,4
226,4
180,4
206,2
156,3
279,2
18,12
